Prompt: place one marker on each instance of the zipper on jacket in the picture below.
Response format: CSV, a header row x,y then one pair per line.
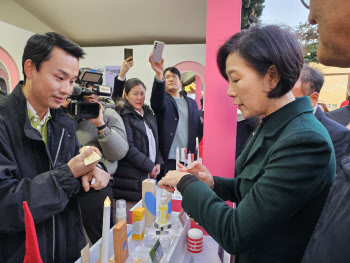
x,y
59,147
53,229
53,217
54,238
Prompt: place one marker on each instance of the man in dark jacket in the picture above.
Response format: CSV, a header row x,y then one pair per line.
x,y
341,115
177,115
309,84
329,242
37,149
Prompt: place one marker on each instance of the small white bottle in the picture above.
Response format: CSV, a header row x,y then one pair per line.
x,y
121,210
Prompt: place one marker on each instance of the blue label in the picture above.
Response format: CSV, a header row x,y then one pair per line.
x,y
170,204
124,246
150,202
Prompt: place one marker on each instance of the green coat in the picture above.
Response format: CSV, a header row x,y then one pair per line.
x,y
284,175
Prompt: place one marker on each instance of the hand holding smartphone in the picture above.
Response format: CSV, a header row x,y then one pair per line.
x,y
157,53
128,52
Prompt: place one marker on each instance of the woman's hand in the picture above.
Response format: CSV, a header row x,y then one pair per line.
x,y
158,67
155,171
127,64
194,168
170,180
200,171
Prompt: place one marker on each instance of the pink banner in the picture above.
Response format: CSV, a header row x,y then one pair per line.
x,y
220,118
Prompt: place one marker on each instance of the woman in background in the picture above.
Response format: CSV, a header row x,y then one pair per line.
x,y
143,158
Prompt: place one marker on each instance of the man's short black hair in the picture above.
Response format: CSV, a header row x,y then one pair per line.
x,y
312,76
262,47
173,70
39,47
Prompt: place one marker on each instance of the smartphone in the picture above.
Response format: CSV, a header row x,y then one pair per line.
x,y
157,51
128,52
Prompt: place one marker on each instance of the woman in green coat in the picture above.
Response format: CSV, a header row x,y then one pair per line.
x,y
284,173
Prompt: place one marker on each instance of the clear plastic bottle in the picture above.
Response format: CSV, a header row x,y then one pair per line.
x,y
169,197
120,210
163,210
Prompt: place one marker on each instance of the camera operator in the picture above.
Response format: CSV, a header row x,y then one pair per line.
x,y
107,133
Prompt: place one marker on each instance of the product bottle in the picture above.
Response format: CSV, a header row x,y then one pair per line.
x,y
169,197
163,210
121,210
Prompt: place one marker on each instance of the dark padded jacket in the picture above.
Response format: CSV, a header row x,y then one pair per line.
x,y
32,172
136,165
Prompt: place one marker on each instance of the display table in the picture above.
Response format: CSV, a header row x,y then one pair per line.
x,y
174,250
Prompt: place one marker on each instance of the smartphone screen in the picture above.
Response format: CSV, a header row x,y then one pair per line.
x,y
128,52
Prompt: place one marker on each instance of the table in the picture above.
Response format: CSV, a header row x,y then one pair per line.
x,y
175,253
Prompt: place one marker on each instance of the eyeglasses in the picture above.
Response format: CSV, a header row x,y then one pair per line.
x,y
171,77
306,3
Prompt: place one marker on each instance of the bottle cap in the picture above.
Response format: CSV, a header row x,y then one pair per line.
x,y
163,200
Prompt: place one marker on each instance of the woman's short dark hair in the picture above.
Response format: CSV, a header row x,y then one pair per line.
x,y
39,47
130,83
262,47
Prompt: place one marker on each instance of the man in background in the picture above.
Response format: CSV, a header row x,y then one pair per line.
x,y
107,133
309,84
329,242
341,115
177,115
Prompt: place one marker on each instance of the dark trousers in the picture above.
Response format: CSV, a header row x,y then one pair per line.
x,y
91,205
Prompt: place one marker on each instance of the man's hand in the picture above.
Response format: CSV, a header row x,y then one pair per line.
x,y
77,165
170,180
200,171
98,122
127,64
101,179
158,67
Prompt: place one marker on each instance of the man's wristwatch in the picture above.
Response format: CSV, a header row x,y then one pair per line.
x,y
102,127
101,166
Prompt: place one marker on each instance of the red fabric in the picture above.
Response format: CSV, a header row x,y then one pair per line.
x,y
344,103
200,146
32,248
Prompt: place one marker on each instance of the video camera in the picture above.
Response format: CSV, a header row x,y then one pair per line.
x,y
78,106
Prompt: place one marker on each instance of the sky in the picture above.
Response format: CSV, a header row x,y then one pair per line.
x,y
284,12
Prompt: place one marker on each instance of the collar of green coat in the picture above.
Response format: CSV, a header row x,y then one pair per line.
x,y
280,118
267,129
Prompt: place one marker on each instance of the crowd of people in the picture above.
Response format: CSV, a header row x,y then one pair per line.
x,y
291,175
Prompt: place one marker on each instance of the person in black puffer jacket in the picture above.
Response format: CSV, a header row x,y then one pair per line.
x,y
143,158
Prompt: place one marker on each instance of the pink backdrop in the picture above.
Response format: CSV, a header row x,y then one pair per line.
x,y
220,118
191,66
11,67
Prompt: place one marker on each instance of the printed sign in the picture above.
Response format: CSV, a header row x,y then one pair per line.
x,y
156,252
